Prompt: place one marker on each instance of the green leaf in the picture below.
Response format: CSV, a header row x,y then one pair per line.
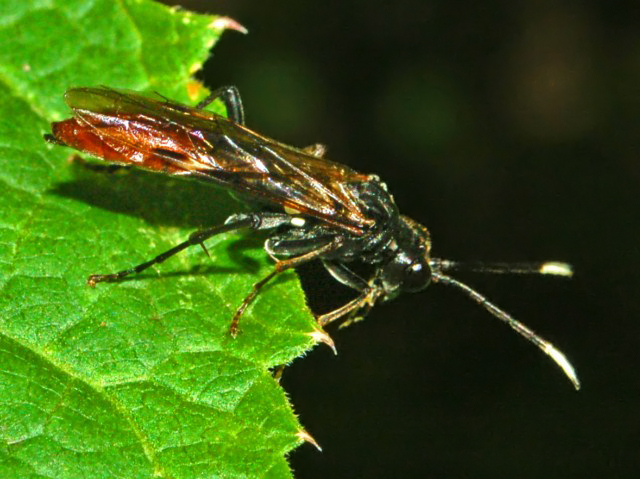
x,y
140,378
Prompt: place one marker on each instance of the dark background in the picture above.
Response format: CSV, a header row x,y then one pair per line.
x,y
509,129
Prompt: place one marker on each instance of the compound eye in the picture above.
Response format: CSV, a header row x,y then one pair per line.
x,y
417,276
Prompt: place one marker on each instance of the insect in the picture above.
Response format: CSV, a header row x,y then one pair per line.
x,y
319,209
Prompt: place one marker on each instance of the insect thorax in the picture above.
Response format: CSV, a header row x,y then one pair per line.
x,y
388,232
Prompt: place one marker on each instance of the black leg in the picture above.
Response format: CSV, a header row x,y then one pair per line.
x,y
255,221
344,275
230,96
281,266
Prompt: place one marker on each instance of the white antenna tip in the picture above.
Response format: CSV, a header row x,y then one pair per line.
x,y
562,361
557,269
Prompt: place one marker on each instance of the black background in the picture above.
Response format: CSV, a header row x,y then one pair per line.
x,y
509,129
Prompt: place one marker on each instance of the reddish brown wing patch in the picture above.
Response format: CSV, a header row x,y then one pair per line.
x,y
114,145
127,128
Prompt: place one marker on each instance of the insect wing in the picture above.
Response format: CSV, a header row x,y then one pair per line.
x,y
128,128
301,182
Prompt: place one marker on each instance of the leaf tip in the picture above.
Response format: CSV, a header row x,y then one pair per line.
x,y
306,437
321,336
226,23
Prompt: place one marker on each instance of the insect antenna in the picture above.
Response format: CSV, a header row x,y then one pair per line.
x,y
548,267
559,269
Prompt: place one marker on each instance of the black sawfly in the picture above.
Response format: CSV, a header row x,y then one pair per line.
x,y
321,210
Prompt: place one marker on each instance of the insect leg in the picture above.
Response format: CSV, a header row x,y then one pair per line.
x,y
255,221
230,96
344,275
281,266
365,301
357,309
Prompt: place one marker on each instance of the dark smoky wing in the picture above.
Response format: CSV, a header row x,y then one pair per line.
x,y
109,101
177,139
299,181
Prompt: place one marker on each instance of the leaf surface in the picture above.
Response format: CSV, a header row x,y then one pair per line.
x,y
140,378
